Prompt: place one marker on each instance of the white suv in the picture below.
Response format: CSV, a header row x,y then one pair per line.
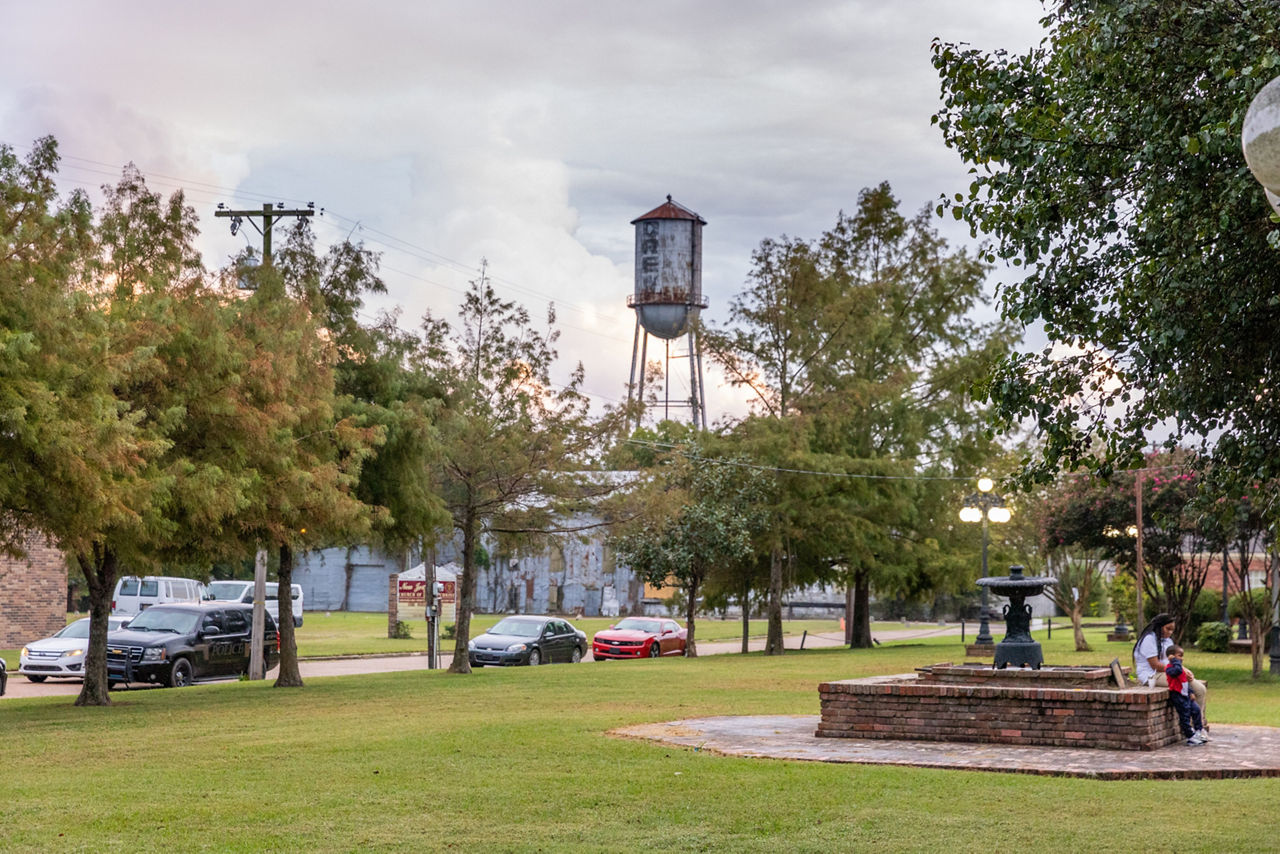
x,y
242,591
134,594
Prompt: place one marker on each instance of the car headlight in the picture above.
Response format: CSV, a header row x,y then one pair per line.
x,y
471,644
516,647
156,653
73,652
24,652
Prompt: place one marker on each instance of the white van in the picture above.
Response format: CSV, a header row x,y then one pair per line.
x,y
242,591
134,594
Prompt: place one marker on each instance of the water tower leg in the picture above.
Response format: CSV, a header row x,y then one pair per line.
x,y
702,390
635,354
644,369
695,386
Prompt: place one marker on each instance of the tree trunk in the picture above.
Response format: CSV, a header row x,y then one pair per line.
x,y
289,676
100,570
773,643
848,616
691,608
860,619
745,599
466,596
1256,644
1077,628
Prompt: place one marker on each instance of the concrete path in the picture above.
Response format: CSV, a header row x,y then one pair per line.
x,y
1234,751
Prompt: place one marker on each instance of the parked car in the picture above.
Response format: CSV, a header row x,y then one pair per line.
x,y
4,678
176,645
242,591
639,637
134,594
61,655
525,639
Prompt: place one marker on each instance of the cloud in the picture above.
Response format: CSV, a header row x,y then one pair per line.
x,y
529,134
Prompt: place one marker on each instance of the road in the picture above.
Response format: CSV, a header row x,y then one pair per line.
x,y
20,687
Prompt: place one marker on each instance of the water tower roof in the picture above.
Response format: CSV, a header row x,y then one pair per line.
x,y
670,210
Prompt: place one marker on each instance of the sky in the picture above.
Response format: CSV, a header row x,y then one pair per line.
x,y
528,134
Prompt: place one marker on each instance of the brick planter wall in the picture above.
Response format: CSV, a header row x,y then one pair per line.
x,y
908,707
33,594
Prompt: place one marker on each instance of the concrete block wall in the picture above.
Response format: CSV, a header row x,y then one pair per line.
x,y
33,594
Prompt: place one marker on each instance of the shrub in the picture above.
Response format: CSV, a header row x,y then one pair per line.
x,y
402,631
449,631
1213,637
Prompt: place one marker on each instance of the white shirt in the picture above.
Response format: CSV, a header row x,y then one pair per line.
x,y
1147,648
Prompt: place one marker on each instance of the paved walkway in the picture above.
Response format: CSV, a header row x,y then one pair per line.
x,y
1235,751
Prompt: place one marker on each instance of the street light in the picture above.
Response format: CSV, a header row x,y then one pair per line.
x,y
984,506
1260,141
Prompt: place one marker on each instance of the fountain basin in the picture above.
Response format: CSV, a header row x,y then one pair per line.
x,y
978,703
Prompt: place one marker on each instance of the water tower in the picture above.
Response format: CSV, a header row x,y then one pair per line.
x,y
667,300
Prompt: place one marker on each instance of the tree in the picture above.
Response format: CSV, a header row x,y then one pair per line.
x,y
512,444
1106,162
379,384
714,507
302,454
861,347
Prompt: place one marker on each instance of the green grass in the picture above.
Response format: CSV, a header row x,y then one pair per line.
x,y
518,760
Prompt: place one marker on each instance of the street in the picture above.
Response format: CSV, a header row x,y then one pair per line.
x,y
20,686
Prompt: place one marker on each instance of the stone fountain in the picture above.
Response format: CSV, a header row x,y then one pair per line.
x,y
1028,704
1018,648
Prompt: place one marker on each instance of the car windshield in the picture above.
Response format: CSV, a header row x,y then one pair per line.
x,y
164,620
518,628
634,625
226,589
78,629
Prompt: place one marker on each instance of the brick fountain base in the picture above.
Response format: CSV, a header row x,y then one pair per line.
x,y
1052,706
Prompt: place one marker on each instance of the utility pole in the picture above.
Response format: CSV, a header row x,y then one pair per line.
x,y
269,214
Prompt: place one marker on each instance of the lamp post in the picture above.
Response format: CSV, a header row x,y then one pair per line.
x,y
984,506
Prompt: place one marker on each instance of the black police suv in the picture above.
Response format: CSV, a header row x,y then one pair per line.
x,y
176,644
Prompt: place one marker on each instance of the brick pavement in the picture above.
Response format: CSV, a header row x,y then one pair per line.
x,y
1235,751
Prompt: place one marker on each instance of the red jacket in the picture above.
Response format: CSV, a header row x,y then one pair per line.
x,y
1179,678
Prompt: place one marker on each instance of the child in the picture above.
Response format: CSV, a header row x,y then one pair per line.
x,y
1179,679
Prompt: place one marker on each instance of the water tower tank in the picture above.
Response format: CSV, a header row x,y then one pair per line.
x,y
668,292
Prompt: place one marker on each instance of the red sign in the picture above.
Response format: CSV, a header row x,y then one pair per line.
x,y
412,593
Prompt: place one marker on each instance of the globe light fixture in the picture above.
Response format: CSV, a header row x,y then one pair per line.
x,y
984,506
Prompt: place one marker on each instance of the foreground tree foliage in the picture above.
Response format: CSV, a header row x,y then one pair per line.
x,y
153,419
1107,163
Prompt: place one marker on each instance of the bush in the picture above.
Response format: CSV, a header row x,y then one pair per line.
x,y
1207,609
449,631
1261,603
402,631
1213,637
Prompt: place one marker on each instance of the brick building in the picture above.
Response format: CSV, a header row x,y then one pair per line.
x,y
33,594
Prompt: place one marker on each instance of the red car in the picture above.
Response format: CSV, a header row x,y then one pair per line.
x,y
639,637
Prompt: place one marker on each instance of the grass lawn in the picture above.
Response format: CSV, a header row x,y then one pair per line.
x,y
518,760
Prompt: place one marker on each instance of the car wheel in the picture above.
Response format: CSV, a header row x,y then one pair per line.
x,y
577,655
535,658
31,678
180,674
655,650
